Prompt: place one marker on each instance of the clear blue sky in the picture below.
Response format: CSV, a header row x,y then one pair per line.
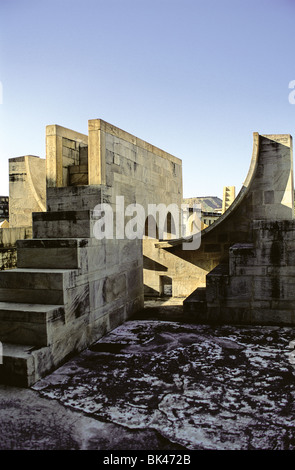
x,y
195,78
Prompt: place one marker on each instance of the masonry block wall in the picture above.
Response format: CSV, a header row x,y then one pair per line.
x,y
71,287
254,283
64,148
258,287
8,239
142,174
267,194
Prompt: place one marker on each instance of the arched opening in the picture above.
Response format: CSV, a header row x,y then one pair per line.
x,y
151,228
170,227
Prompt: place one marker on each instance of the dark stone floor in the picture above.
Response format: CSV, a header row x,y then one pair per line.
x,y
162,385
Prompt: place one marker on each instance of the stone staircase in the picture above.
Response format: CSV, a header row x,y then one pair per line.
x,y
43,300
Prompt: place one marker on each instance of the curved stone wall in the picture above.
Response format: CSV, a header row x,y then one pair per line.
x,y
267,194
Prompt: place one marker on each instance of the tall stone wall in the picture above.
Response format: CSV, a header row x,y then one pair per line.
x,y
131,167
123,165
142,174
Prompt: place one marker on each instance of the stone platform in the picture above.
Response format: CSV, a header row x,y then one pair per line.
x,y
162,385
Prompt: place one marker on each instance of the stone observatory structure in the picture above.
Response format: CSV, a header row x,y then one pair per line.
x,y
70,288
267,195
246,261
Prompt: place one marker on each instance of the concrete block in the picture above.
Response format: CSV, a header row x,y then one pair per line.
x,y
35,286
29,324
78,179
52,279
55,253
71,144
18,366
73,197
34,296
65,224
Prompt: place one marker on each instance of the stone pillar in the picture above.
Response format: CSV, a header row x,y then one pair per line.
x,y
96,152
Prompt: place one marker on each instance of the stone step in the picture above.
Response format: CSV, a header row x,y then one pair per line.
x,y
37,286
49,253
63,224
78,179
20,363
78,175
33,324
77,197
73,169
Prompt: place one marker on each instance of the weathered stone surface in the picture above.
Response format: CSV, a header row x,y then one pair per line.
x,y
266,195
62,150
63,224
35,286
201,387
103,285
30,422
46,253
29,323
70,198
27,189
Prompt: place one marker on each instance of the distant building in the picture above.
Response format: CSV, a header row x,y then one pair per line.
x,y
229,194
4,224
211,208
209,217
